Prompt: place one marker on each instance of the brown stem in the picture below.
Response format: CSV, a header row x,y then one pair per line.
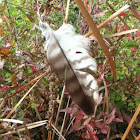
x,y
97,34
131,123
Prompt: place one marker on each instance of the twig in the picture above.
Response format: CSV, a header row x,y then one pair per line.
x,y
69,126
138,138
57,131
12,120
97,34
131,123
11,112
64,118
27,130
115,136
39,117
67,10
121,33
2,103
58,110
29,126
109,19
118,15
25,86
106,97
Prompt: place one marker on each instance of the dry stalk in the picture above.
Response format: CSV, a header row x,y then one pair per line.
x,y
118,15
67,10
12,111
131,123
109,19
29,126
106,99
2,103
138,138
58,111
58,132
39,117
64,119
28,132
97,34
121,33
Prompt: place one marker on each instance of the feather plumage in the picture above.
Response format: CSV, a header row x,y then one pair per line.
x,y
68,55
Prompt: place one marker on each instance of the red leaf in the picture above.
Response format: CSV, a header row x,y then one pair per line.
x,y
90,129
41,107
32,67
111,116
85,1
117,120
123,14
21,88
100,99
89,7
94,137
79,128
1,31
129,36
86,135
67,110
57,8
4,87
137,37
125,28
118,113
104,130
86,121
138,94
55,4
133,49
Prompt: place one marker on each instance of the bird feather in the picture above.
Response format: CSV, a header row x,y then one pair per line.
x,y
68,54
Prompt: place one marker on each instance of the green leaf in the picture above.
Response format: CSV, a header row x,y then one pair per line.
x,y
117,98
120,105
27,15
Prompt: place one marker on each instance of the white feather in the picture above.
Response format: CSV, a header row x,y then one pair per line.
x,y
76,51
72,43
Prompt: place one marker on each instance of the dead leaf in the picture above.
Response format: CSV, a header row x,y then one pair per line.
x,y
13,79
4,51
20,75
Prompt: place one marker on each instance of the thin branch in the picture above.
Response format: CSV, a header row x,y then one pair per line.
x,y
64,118
12,111
67,10
27,130
118,15
58,110
97,34
121,33
131,123
109,19
39,117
